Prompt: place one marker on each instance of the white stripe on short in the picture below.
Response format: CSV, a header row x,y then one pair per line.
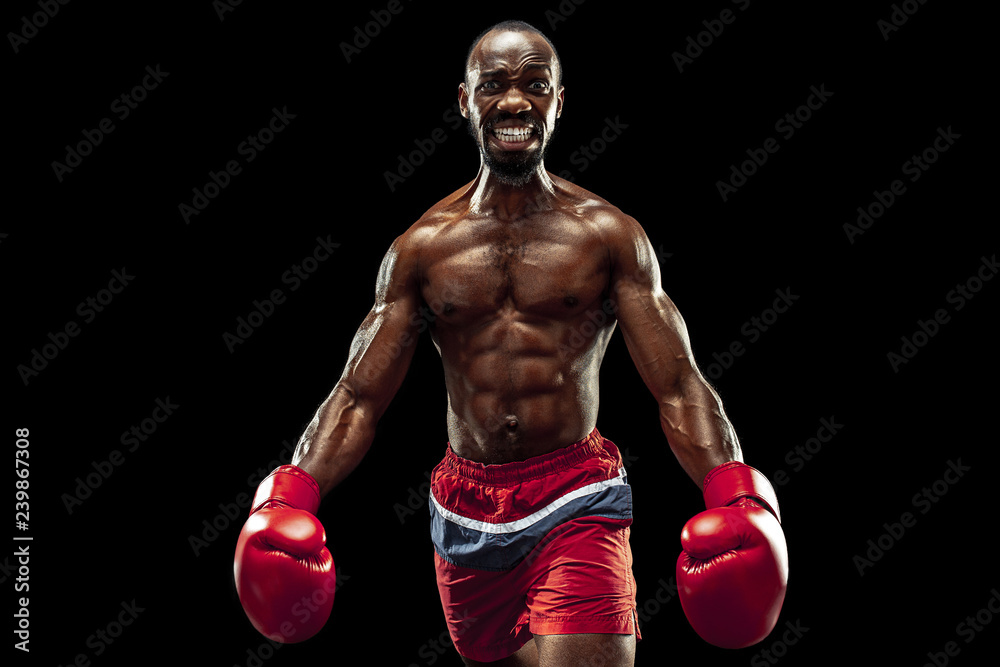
x,y
535,517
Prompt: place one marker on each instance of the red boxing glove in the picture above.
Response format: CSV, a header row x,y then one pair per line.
x,y
733,571
284,572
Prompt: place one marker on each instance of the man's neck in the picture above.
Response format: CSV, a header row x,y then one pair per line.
x,y
491,196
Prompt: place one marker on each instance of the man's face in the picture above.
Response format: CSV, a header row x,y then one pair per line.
x,y
510,98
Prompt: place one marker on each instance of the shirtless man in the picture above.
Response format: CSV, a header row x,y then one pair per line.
x,y
521,278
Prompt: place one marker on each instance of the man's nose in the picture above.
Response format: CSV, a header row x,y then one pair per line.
x,y
514,101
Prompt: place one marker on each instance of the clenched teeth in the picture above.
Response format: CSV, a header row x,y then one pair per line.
x,y
513,133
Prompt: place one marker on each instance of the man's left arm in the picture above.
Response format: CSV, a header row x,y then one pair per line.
x,y
732,602
691,414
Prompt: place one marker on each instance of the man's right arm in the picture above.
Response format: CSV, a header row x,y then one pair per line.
x,y
343,427
281,556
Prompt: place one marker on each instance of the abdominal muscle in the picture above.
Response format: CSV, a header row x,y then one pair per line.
x,y
511,402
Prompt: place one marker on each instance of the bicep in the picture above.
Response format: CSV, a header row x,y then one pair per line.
x,y
653,328
384,344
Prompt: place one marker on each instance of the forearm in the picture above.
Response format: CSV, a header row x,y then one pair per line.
x,y
337,438
697,429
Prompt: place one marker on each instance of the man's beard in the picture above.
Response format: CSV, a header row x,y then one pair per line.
x,y
514,168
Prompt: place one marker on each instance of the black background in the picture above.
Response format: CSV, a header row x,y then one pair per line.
x,y
324,177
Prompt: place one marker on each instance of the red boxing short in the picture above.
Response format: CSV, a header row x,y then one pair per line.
x,y
533,547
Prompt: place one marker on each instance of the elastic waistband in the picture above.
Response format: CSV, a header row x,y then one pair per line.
x,y
504,474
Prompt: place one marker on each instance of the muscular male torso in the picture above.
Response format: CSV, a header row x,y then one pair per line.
x,y
522,318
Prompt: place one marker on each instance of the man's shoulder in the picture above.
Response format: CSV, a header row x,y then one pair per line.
x,y
447,211
605,216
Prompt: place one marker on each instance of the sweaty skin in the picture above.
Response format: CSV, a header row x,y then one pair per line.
x,y
521,283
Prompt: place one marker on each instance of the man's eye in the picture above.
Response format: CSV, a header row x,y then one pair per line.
x,y
490,85
538,85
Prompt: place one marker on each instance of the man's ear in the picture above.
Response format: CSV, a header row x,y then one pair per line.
x,y
559,101
463,99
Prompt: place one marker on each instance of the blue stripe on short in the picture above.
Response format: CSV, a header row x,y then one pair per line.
x,y
498,547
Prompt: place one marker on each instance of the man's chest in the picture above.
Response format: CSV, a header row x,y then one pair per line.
x,y
543,270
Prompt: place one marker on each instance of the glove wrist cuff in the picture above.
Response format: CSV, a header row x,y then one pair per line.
x,y
290,485
727,483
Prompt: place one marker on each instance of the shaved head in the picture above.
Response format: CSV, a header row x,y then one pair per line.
x,y
513,26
